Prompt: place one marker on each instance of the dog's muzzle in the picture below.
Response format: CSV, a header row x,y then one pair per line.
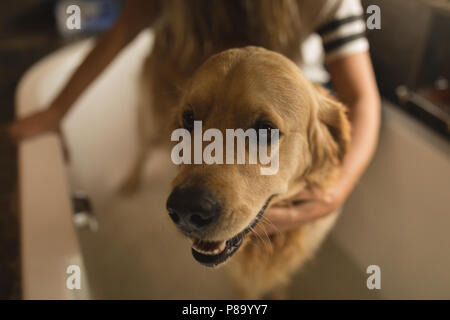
x,y
193,210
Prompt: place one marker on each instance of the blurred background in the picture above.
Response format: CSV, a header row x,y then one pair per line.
x,y
29,30
411,57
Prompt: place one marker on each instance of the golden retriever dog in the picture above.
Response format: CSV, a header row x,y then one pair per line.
x,y
218,205
192,74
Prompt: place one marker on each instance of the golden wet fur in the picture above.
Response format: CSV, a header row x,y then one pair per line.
x,y
228,91
231,90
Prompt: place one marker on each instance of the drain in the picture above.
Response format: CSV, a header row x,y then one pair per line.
x,y
83,216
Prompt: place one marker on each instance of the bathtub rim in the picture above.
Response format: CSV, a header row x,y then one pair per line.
x,y
41,158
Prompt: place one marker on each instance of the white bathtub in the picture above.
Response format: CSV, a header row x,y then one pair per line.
x,y
397,218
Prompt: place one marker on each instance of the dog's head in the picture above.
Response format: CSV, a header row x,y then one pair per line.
x,y
217,204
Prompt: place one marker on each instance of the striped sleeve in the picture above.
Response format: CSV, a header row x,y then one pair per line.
x,y
343,33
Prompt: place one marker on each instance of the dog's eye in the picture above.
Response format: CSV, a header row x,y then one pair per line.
x,y
264,125
188,120
266,131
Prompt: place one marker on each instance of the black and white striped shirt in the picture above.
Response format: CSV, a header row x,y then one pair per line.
x,y
343,32
335,28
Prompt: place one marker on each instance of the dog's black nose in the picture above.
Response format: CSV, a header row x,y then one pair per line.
x,y
192,209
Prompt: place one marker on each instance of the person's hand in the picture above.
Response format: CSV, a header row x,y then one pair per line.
x,y
35,124
305,206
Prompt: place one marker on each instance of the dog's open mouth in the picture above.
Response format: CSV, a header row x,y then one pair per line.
x,y
213,253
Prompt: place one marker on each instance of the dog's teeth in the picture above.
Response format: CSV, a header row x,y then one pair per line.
x,y
208,248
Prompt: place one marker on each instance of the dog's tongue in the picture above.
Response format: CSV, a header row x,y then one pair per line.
x,y
208,247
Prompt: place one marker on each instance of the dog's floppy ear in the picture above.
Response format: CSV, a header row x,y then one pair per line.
x,y
329,132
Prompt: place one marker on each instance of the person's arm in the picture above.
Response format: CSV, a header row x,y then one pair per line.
x,y
136,15
354,80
